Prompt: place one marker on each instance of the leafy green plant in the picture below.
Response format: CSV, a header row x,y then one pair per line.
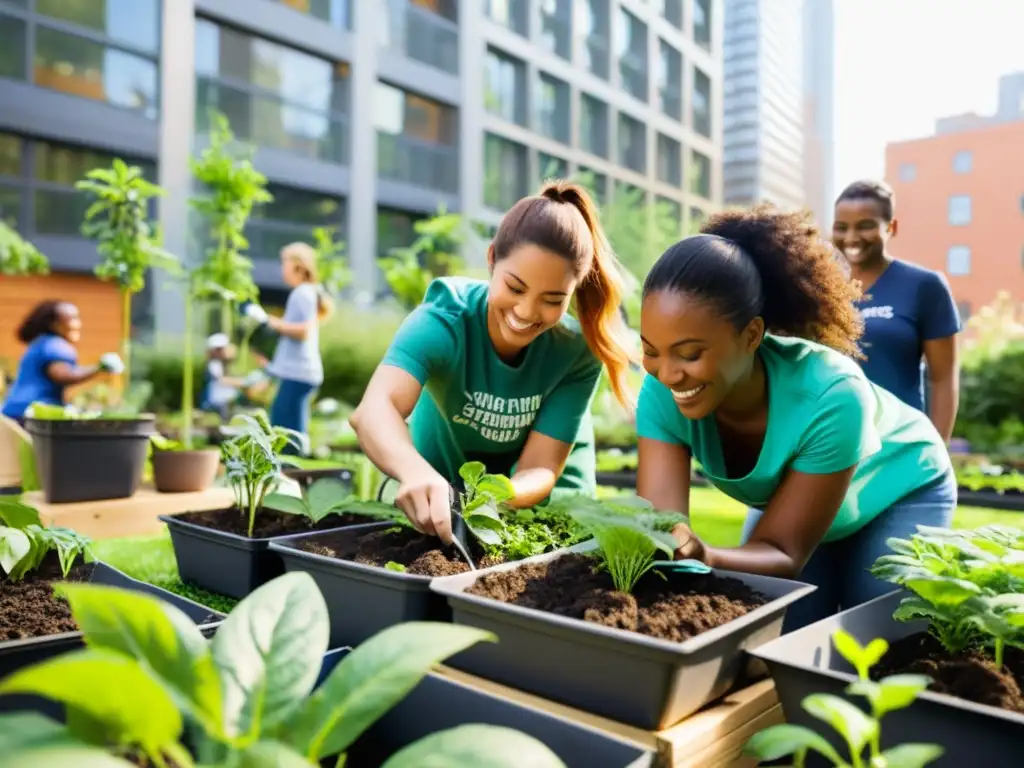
x,y
481,502
323,497
859,730
18,256
331,263
25,541
252,460
233,188
248,694
118,219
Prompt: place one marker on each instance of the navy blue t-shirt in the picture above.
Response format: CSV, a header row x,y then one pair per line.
x,y
906,306
32,384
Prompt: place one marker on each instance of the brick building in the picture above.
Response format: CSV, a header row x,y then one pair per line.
x,y
960,206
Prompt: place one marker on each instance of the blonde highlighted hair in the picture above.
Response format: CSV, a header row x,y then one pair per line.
x,y
305,257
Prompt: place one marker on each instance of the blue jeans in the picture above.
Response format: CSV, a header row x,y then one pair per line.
x,y
290,408
839,569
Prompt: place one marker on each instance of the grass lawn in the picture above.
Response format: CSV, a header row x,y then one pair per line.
x,y
716,518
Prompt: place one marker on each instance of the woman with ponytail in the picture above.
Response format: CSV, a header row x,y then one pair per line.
x,y
497,371
749,334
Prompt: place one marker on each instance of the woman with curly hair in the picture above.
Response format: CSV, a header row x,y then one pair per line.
x,y
750,333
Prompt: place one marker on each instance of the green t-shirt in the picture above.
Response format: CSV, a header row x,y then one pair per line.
x,y
824,416
475,406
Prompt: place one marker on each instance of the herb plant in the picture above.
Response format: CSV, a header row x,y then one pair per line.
x,y
860,731
25,541
323,497
247,696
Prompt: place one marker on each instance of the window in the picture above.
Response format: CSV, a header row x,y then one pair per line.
x,y
669,212
274,96
670,161
505,87
701,11
701,110
593,125
556,27
10,171
337,12
697,218
632,144
672,10
960,210
907,172
700,174
631,51
593,24
958,260
415,139
596,183
551,167
423,30
505,172
104,51
964,308
553,108
510,13
963,161
291,216
670,81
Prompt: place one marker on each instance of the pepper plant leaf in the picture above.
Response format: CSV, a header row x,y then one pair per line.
x,y
911,755
856,728
781,740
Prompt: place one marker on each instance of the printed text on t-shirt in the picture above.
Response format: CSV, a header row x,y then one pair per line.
x,y
501,419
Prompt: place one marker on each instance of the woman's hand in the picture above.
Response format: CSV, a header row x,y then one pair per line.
x,y
425,497
688,544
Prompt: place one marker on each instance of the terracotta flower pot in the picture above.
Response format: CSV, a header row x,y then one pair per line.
x,y
185,471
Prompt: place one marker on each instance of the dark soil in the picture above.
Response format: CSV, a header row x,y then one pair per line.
x,y
675,609
969,675
269,522
421,555
30,609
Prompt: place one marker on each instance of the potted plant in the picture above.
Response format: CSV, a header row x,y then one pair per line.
x,y
957,615
376,575
249,692
226,550
33,558
667,636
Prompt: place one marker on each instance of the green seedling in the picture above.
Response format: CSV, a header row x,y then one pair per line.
x,y
25,541
323,497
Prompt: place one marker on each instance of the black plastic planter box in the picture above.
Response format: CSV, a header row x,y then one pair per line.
x,y
628,677
361,599
15,654
1010,501
805,662
438,703
90,459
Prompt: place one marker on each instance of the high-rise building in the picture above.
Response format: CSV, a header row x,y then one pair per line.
x,y
763,134
366,114
819,109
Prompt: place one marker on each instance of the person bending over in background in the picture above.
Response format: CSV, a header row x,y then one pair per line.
x,y
909,312
52,331
497,371
749,332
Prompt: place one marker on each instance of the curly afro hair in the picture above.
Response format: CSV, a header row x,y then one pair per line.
x,y
766,263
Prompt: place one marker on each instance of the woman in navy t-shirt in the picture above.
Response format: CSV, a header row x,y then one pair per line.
x,y
51,331
909,312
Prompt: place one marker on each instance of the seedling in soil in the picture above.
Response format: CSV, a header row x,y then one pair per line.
x,y
25,541
323,497
147,670
860,731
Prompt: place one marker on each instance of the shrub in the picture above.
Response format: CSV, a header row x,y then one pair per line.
x,y
352,343
991,410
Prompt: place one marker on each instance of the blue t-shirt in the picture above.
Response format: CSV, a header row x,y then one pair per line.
x,y
907,306
33,384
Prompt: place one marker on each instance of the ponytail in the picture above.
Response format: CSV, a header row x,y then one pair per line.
x,y
324,303
305,256
770,264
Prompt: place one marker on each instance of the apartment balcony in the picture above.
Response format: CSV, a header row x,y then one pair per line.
x,y
422,35
418,163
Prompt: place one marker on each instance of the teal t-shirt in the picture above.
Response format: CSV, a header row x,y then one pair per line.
x,y
475,406
824,416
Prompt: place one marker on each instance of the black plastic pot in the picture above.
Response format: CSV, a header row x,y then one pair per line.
x,y
1008,501
622,675
361,599
90,459
805,662
15,654
438,703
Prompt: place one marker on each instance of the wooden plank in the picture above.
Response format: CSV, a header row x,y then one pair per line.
x,y
715,733
135,516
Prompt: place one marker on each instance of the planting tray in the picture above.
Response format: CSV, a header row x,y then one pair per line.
x,y
1008,501
804,662
15,654
633,679
437,704
361,599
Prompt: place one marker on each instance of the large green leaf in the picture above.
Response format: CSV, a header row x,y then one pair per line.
x,y
15,545
288,504
850,721
270,754
785,739
268,652
476,746
471,472
325,495
911,756
498,487
157,634
943,591
14,514
371,680
110,689
77,756
22,731
890,693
